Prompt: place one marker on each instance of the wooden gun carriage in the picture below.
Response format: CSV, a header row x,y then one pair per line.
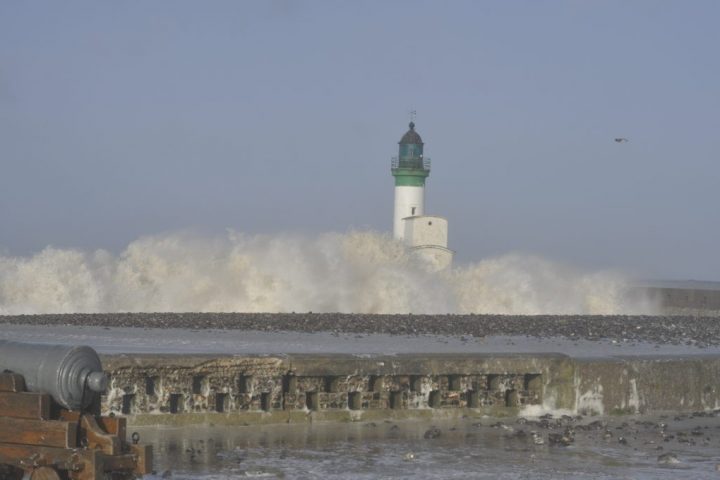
x,y
48,442
50,422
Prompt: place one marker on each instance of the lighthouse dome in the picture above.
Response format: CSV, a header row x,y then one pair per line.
x,y
411,137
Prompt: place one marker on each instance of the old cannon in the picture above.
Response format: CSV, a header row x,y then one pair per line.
x,y
71,375
50,423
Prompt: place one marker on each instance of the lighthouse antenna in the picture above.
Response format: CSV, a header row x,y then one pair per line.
x,y
412,113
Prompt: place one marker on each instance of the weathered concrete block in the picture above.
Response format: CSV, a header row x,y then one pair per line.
x,y
349,387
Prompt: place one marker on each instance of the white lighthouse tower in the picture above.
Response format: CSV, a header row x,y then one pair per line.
x,y
425,234
410,169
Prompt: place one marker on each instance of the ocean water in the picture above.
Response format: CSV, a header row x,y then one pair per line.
x,y
399,450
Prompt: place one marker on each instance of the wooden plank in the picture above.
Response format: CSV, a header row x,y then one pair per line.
x,y
80,464
12,382
27,456
114,426
97,438
120,463
25,405
47,433
144,464
69,415
91,466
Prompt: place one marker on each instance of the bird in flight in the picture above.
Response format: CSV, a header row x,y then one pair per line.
x,y
621,140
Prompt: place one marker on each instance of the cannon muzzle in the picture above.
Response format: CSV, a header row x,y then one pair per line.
x,y
73,376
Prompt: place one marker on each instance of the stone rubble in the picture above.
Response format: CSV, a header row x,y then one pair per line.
x,y
676,330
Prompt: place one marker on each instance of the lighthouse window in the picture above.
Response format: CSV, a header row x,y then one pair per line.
x,y
413,211
429,223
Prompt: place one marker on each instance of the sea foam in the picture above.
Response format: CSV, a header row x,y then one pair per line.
x,y
354,272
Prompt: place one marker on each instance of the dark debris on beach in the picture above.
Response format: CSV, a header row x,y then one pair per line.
x,y
687,330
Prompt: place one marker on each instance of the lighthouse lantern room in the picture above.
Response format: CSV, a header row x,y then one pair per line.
x,y
425,234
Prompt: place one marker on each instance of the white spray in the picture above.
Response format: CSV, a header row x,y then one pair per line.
x,y
357,272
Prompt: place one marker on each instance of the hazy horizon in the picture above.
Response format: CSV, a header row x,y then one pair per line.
x,y
125,120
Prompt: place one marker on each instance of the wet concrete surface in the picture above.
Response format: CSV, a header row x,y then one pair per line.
x,y
660,447
175,340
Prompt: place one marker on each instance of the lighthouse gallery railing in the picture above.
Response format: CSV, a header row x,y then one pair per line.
x,y
414,162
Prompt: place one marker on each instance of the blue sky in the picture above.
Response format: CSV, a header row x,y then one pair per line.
x,y
119,119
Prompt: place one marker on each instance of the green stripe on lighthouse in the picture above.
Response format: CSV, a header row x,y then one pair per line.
x,y
405,177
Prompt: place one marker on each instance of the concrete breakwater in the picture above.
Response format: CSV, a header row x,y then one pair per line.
x,y
254,389
682,298
176,368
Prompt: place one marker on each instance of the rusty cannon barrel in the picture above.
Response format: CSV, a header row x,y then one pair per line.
x,y
72,375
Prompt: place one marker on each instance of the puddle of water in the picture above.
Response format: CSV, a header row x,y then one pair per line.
x,y
399,450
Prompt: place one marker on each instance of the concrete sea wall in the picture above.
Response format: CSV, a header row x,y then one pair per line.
x,y
685,301
620,385
213,389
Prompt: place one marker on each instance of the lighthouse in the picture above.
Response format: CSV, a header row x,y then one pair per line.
x,y
425,234
410,169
